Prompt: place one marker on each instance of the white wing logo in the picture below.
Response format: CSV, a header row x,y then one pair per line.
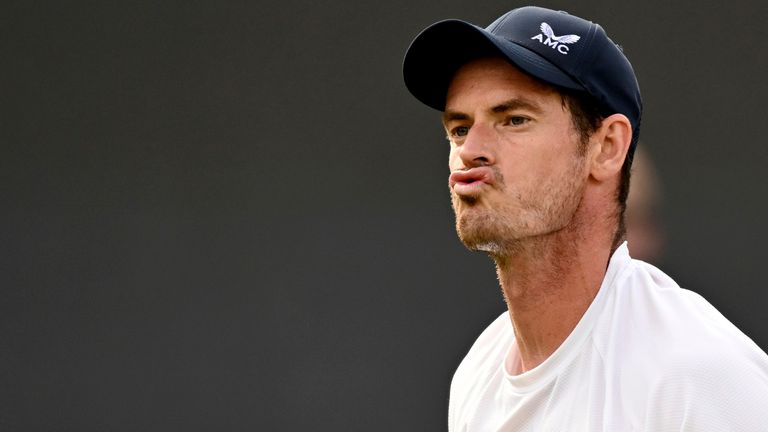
x,y
568,39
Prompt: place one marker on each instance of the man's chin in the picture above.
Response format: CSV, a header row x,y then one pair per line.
x,y
478,238
479,228
492,248
485,234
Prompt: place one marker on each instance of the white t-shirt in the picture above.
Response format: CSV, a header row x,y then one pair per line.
x,y
646,356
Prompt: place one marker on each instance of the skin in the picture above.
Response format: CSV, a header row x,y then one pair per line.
x,y
530,193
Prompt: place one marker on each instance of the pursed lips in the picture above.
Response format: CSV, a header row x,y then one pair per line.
x,y
470,181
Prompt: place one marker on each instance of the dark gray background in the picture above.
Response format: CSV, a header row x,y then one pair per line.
x,y
233,216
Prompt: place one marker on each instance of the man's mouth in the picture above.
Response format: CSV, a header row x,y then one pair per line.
x,y
470,182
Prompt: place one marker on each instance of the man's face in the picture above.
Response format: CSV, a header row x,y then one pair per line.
x,y
517,168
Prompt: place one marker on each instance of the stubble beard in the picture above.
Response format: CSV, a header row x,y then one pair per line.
x,y
506,228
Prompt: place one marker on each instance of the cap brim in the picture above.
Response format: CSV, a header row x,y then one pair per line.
x,y
442,48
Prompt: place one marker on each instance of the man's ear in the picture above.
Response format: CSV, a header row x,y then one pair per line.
x,y
613,139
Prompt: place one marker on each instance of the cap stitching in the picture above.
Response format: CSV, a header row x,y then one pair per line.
x,y
499,22
586,53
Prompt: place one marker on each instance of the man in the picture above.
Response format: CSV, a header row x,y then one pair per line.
x,y
542,111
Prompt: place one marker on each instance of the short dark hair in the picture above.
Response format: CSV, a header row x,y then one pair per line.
x,y
587,118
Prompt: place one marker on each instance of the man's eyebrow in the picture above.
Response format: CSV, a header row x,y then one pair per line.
x,y
516,103
508,105
454,115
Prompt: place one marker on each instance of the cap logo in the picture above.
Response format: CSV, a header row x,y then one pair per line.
x,y
559,43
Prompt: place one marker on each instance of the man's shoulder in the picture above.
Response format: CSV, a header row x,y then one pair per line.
x,y
648,302
676,361
480,365
661,335
492,345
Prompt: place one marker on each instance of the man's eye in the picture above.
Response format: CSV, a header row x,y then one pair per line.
x,y
460,131
517,120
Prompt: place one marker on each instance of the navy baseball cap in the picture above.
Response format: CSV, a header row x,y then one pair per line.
x,y
552,46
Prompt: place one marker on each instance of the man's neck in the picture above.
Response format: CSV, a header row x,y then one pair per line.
x,y
548,283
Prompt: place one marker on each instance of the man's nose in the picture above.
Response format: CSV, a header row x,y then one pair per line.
x,y
478,146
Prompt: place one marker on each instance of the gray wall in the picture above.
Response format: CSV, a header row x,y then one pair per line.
x,y
233,216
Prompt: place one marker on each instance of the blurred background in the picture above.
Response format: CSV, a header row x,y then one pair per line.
x,y
233,216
